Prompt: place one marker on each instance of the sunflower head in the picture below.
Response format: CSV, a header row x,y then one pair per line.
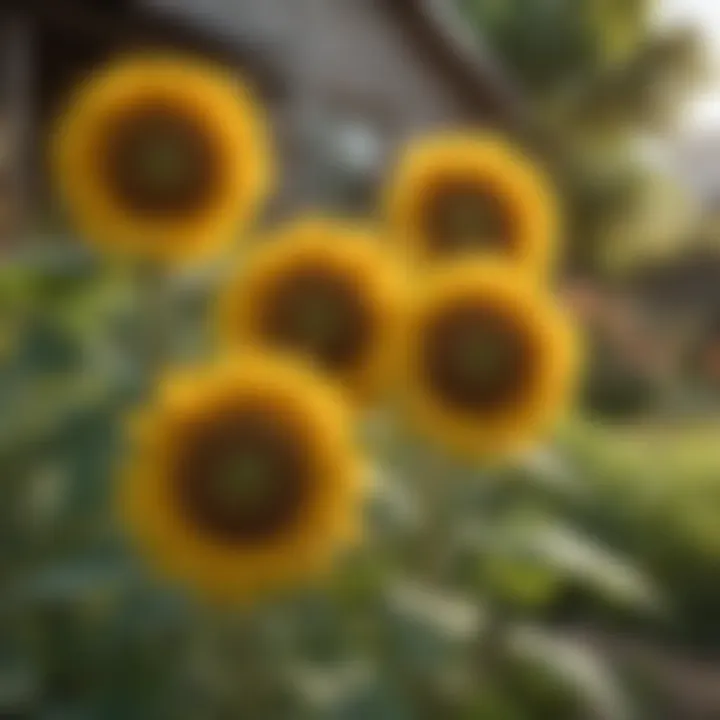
x,y
159,162
472,195
161,157
244,479
323,290
487,363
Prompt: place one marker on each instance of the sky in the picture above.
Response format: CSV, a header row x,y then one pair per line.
x,y
704,112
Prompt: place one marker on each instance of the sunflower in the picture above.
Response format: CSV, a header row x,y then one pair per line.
x,y
324,290
467,194
161,157
487,363
244,479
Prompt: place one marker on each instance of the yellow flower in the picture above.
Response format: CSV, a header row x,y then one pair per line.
x,y
162,158
324,290
472,194
488,363
244,479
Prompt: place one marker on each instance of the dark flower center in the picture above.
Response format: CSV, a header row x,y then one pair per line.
x,y
244,475
462,216
477,359
160,161
319,312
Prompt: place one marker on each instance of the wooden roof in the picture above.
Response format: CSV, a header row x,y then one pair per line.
x,y
393,53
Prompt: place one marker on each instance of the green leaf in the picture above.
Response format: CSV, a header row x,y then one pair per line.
x,y
491,703
451,616
328,688
589,562
548,470
542,544
77,580
574,666
18,689
518,583
379,702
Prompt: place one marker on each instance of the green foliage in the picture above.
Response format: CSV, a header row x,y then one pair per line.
x,y
546,45
656,494
615,392
423,621
590,60
597,77
549,664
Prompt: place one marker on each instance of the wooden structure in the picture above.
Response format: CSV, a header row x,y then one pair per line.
x,y
381,69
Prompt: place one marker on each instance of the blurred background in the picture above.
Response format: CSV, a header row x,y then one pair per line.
x,y
583,580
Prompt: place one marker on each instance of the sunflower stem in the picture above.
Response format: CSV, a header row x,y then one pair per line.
x,y
155,341
240,656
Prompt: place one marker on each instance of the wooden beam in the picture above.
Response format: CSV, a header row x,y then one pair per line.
x,y
123,27
16,122
439,28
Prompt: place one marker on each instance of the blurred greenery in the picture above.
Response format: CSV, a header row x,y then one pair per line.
x,y
615,390
601,80
443,612
462,603
656,494
450,609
